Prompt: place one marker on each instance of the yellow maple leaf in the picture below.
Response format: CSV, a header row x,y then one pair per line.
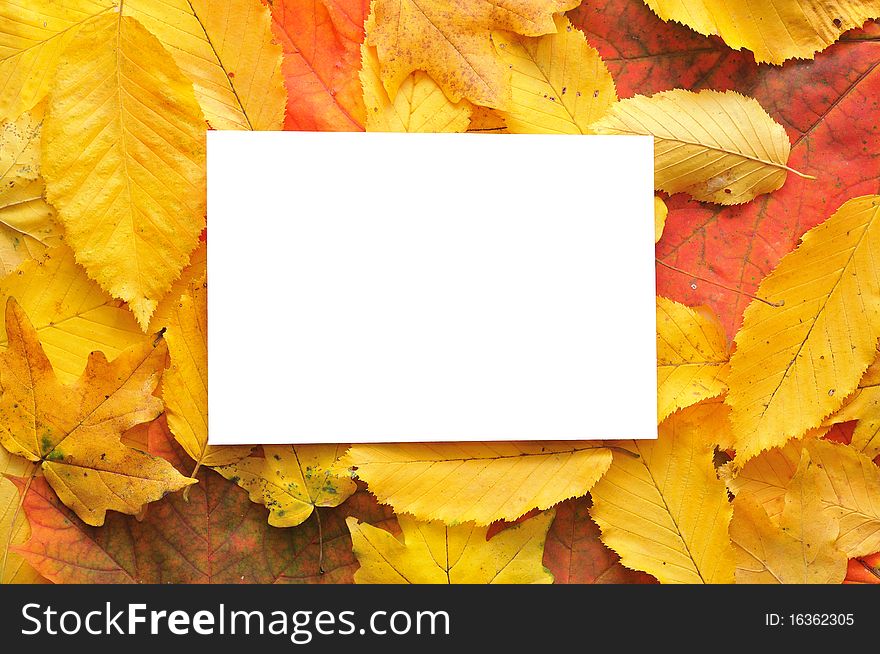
x,y
559,83
292,481
701,146
123,157
228,51
32,38
691,356
185,384
864,406
419,106
27,222
803,349
775,30
450,40
479,482
434,553
661,211
800,549
14,528
74,431
665,511
70,312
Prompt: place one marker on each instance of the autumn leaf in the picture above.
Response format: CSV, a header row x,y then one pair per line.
x,y
125,168
803,347
321,42
479,482
228,52
660,213
864,406
73,316
14,528
666,512
559,83
450,41
185,384
717,147
73,431
419,106
32,38
825,106
195,273
27,222
691,356
217,536
775,30
765,477
574,554
800,549
865,570
434,553
292,481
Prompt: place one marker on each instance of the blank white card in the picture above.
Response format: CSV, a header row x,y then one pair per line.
x,y
430,287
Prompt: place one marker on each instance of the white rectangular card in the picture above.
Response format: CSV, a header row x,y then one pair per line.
x,y
430,287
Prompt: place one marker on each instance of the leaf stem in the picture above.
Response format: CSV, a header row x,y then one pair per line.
x,y
781,303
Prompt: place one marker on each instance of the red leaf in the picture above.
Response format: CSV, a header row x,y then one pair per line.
x,y
865,570
575,555
219,536
321,40
829,108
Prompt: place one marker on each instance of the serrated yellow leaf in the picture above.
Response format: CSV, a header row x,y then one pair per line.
x,y
765,477
228,51
711,420
775,30
450,40
185,384
292,481
74,431
864,406
665,511
419,106
692,356
33,35
795,364
717,147
17,570
124,160
850,488
70,312
559,83
433,553
800,549
479,482
194,273
660,213
27,222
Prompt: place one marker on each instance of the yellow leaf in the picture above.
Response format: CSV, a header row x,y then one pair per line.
x,y
660,213
765,477
479,482
70,312
711,420
800,549
433,553
74,431
485,120
14,528
850,487
775,30
185,384
450,40
666,512
32,37
194,273
559,83
419,106
795,363
717,147
124,160
228,51
292,480
27,224
691,356
864,406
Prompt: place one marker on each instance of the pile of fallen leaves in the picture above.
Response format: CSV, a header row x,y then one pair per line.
x,y
765,118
